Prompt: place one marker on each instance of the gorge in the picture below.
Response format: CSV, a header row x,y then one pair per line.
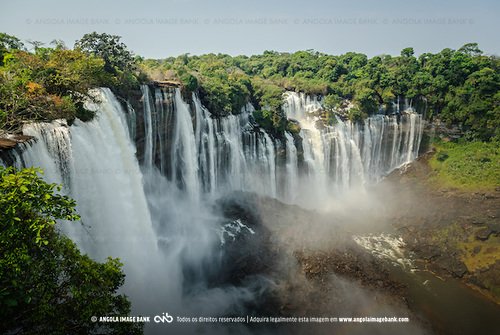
x,y
156,210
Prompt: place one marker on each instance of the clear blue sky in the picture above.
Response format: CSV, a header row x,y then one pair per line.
x,y
161,28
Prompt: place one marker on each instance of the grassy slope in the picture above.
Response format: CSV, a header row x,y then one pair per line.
x,y
467,166
470,167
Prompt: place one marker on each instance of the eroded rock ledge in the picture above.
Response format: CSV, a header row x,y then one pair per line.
x,y
10,141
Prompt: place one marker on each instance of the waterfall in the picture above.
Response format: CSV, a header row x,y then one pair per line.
x,y
96,163
185,156
208,155
292,168
213,155
52,150
205,142
131,120
350,154
158,216
148,125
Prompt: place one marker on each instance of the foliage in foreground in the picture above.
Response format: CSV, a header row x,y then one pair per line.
x,y
467,166
46,285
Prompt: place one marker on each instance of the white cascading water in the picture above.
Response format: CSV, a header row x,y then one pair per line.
x,y
292,168
215,155
52,150
185,149
96,163
218,155
148,128
158,217
349,154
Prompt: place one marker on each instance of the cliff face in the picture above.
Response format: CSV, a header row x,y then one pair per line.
x,y
153,124
134,98
9,141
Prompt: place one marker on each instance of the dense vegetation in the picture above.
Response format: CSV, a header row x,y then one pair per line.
x,y
467,165
459,86
53,82
46,285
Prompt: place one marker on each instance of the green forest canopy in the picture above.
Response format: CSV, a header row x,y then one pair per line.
x,y
460,87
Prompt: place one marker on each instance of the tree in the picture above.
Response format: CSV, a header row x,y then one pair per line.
x,y
115,54
475,105
51,84
332,101
269,98
8,43
46,285
471,49
59,44
407,52
36,44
